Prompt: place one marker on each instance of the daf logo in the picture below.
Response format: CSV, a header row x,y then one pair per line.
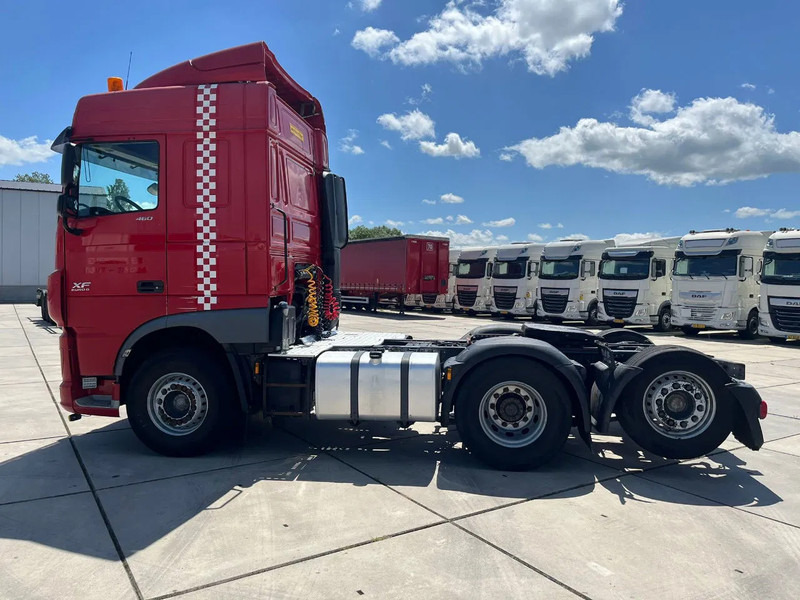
x,y
793,303
698,295
81,286
617,293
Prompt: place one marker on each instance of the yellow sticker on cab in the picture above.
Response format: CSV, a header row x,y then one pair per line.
x,y
297,133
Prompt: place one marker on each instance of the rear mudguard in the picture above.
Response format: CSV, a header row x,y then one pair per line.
x,y
571,373
609,384
746,425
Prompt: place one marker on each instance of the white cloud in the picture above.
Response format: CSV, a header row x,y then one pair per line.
x,y
576,236
436,221
386,144
413,125
502,238
509,222
770,91
476,237
535,237
746,212
463,220
782,213
648,102
545,33
336,31
26,150
426,89
391,223
453,146
369,5
451,199
560,226
626,239
346,144
426,201
748,86
711,141
506,156
355,220
545,225
372,40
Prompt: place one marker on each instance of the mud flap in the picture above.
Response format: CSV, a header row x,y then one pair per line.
x,y
746,407
609,382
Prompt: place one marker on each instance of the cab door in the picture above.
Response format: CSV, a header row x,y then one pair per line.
x,y
115,257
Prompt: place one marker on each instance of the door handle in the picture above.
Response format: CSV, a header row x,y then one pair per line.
x,y
150,287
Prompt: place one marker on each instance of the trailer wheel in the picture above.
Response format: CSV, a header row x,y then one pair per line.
x,y
180,404
513,414
676,407
664,320
750,332
689,331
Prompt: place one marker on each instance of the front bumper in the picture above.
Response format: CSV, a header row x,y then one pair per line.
x,y
722,318
641,316
768,329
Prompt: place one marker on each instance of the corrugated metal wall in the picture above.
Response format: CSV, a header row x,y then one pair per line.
x,y
27,234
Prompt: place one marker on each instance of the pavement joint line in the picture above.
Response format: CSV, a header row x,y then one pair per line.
x,y
98,503
783,416
47,437
64,495
769,387
297,561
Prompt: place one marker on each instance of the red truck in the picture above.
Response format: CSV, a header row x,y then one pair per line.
x,y
197,279
388,270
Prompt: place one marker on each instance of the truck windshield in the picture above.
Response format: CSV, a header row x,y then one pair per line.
x,y
471,269
625,268
719,265
560,269
510,269
783,269
118,177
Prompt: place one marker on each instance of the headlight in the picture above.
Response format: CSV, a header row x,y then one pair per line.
x,y
727,316
674,312
640,312
571,308
763,322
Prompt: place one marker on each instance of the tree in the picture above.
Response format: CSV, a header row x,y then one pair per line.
x,y
118,188
34,177
381,231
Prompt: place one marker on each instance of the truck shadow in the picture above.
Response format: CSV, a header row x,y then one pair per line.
x,y
147,497
45,325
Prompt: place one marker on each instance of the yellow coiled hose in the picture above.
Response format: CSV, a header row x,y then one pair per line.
x,y
311,300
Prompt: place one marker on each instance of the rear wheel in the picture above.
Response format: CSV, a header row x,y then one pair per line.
x,y
180,402
689,331
513,413
676,407
750,332
664,322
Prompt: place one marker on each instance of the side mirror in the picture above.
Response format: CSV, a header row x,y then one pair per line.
x,y
659,269
745,267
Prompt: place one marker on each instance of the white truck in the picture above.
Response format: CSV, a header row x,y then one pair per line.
x,y
474,280
636,284
515,277
715,284
779,301
568,280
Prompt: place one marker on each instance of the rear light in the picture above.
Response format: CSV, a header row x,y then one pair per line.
x,y
762,410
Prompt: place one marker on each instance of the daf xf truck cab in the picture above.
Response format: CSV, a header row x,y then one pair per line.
x,y
515,277
636,284
568,282
779,301
715,281
474,280
206,289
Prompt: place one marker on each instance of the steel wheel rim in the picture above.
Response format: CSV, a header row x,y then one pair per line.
x,y
666,320
177,404
512,414
679,405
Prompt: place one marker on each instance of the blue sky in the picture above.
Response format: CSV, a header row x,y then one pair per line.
x,y
602,116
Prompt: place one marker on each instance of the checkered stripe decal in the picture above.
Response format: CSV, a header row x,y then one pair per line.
x,y
206,196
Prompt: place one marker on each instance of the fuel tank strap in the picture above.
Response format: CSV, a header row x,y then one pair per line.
x,y
405,367
354,365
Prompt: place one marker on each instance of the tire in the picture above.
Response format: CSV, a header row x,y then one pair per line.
x,y
664,320
699,422
531,389
591,319
197,376
690,331
46,313
750,332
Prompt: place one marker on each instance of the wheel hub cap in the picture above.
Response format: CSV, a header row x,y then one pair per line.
x,y
177,404
679,405
512,414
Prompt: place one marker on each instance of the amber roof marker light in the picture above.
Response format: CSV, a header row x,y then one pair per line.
x,y
115,84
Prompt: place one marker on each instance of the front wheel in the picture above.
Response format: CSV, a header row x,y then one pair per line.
x,y
750,332
592,316
513,413
676,407
180,402
664,322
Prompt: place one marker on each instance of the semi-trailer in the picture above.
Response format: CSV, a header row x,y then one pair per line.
x,y
568,281
385,271
515,278
444,301
715,281
636,284
209,291
474,280
779,299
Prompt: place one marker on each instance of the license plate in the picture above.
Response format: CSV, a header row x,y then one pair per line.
x,y
793,337
698,326
503,312
619,320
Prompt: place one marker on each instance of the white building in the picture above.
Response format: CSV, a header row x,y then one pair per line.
x,y
28,220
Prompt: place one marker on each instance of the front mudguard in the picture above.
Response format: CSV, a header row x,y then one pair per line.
x,y
747,409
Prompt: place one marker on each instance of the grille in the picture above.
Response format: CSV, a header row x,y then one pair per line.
x,y
702,313
553,303
429,298
467,298
504,300
785,318
619,307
